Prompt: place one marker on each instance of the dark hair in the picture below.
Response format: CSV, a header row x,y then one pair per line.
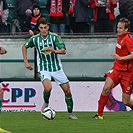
x,y
42,20
36,6
126,22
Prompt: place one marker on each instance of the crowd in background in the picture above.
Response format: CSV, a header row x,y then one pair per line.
x,y
68,16
4,11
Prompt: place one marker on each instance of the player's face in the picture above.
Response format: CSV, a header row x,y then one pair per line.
x,y
44,30
121,29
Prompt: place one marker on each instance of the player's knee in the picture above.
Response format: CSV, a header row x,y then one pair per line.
x,y
106,90
68,92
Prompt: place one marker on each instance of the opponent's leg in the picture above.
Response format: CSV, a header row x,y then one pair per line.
x,y
127,101
127,85
104,97
0,105
1,96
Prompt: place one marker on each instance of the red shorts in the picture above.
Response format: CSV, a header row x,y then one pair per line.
x,y
122,77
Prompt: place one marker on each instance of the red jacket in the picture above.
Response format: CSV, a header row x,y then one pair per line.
x,y
93,6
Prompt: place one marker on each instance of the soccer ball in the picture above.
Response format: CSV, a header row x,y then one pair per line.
x,y
48,113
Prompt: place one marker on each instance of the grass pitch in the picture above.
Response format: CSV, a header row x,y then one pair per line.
x,y
32,122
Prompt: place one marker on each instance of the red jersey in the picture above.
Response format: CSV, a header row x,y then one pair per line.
x,y
123,48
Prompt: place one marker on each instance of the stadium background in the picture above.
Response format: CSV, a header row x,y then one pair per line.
x,y
88,58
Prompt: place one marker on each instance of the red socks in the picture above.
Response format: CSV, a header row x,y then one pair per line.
x,y
101,103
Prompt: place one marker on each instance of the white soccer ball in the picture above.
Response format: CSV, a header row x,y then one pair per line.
x,y
48,113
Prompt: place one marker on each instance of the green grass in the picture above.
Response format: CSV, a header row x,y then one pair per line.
x,y
32,122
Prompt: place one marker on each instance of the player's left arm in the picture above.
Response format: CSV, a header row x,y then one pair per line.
x,y
129,46
57,51
60,46
125,58
2,50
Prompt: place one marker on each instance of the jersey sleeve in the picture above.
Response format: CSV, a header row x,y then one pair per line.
x,y
29,43
129,44
59,42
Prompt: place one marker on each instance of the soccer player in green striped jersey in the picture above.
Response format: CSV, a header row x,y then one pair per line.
x,y
49,46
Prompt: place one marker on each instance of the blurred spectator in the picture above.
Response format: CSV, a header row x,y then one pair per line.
x,y
3,13
22,10
57,11
126,10
79,16
103,15
30,24
116,10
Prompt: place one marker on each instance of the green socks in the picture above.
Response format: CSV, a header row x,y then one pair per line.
x,y
46,96
0,104
69,103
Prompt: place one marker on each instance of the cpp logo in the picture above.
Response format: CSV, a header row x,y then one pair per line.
x,y
17,93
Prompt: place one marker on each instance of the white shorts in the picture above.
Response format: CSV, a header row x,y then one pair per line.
x,y
58,76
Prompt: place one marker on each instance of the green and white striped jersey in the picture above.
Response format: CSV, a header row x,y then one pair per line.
x,y
50,62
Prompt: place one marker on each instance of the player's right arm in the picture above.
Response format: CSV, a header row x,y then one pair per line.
x,y
28,44
24,52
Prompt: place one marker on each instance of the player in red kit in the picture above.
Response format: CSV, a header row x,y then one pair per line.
x,y
121,72
2,51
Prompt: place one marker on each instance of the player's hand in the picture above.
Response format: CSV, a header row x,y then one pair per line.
x,y
15,21
116,56
31,32
28,66
51,49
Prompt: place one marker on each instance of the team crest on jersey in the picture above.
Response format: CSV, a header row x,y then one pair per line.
x,y
128,88
118,46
